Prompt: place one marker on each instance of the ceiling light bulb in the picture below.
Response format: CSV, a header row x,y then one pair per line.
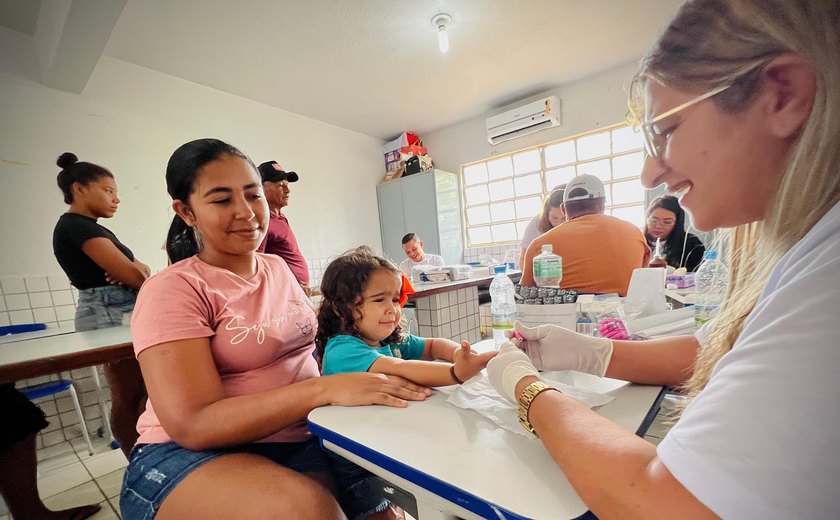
x,y
443,39
441,21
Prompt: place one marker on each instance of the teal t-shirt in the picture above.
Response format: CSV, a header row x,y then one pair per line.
x,y
344,353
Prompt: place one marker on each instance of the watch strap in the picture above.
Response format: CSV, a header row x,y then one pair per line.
x,y
528,395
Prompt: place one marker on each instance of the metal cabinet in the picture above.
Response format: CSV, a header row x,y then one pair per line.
x,y
428,204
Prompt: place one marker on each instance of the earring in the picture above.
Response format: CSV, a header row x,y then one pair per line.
x,y
197,236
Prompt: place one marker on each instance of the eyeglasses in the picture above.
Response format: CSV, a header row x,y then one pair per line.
x,y
656,138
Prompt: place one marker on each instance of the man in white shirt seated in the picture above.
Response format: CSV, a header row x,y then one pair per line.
x,y
413,247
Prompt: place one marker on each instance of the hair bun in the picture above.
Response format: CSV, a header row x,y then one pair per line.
x,y
66,160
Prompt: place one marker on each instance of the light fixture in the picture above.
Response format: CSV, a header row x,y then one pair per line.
x,y
441,21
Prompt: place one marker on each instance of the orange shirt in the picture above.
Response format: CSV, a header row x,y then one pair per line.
x,y
599,253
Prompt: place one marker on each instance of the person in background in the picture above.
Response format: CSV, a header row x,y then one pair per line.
x,y
739,104
280,240
107,275
665,220
599,251
22,420
359,327
552,215
413,246
225,341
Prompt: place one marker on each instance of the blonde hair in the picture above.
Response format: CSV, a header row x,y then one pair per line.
x,y
711,43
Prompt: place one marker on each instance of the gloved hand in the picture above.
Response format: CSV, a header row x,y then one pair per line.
x,y
507,368
551,347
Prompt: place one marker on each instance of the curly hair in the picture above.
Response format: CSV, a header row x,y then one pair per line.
x,y
342,286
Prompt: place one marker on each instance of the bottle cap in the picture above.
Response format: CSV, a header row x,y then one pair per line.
x,y
710,254
547,248
499,269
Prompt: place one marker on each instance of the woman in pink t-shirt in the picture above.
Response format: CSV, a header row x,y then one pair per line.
x,y
225,338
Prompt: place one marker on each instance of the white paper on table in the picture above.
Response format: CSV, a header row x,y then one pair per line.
x,y
671,323
479,395
646,292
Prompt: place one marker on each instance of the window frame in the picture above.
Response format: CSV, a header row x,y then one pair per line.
x,y
519,223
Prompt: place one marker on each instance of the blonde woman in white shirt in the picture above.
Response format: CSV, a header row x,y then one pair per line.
x,y
740,110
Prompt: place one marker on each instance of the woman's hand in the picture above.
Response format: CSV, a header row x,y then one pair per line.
x,y
145,269
468,363
371,388
554,348
111,280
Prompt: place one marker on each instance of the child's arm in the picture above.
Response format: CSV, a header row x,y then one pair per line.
x,y
429,373
426,373
440,348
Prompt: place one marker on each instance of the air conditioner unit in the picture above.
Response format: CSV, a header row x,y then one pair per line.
x,y
524,120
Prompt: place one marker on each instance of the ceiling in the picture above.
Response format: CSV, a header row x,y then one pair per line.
x,y
371,66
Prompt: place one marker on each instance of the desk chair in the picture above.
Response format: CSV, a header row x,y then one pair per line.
x,y
33,392
104,410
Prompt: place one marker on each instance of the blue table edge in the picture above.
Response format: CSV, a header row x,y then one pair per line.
x,y
456,496
442,489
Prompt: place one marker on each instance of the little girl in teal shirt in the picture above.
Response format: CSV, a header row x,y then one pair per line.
x,y
359,327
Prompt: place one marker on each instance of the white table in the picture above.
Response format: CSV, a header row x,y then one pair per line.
x,y
33,354
457,463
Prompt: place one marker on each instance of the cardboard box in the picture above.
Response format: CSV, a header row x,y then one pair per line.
x,y
681,281
391,149
394,174
392,156
564,314
404,139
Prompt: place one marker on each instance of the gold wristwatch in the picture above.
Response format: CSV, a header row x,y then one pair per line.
x,y
528,395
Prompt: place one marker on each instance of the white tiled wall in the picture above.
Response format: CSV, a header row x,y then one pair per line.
x,y
485,320
497,252
452,315
37,299
316,270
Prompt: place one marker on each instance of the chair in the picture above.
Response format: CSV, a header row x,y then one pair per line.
x,y
33,392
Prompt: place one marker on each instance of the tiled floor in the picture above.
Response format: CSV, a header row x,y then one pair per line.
x,y
69,477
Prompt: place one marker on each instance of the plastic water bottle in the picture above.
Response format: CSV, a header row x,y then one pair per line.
x,y
502,304
548,268
711,281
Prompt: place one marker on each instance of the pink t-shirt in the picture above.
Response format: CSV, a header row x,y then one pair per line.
x,y
261,330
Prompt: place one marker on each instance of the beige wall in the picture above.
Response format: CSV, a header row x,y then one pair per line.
x,y
589,104
130,119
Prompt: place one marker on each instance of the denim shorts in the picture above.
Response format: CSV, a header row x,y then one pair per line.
x,y
154,470
102,307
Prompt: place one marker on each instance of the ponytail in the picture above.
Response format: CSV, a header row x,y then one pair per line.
x,y
181,241
183,168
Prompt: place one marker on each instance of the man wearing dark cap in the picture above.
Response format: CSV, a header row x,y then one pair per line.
x,y
280,240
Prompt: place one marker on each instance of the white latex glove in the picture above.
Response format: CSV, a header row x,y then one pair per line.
x,y
551,347
507,368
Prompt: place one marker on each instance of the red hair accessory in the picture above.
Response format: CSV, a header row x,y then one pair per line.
x,y
405,290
